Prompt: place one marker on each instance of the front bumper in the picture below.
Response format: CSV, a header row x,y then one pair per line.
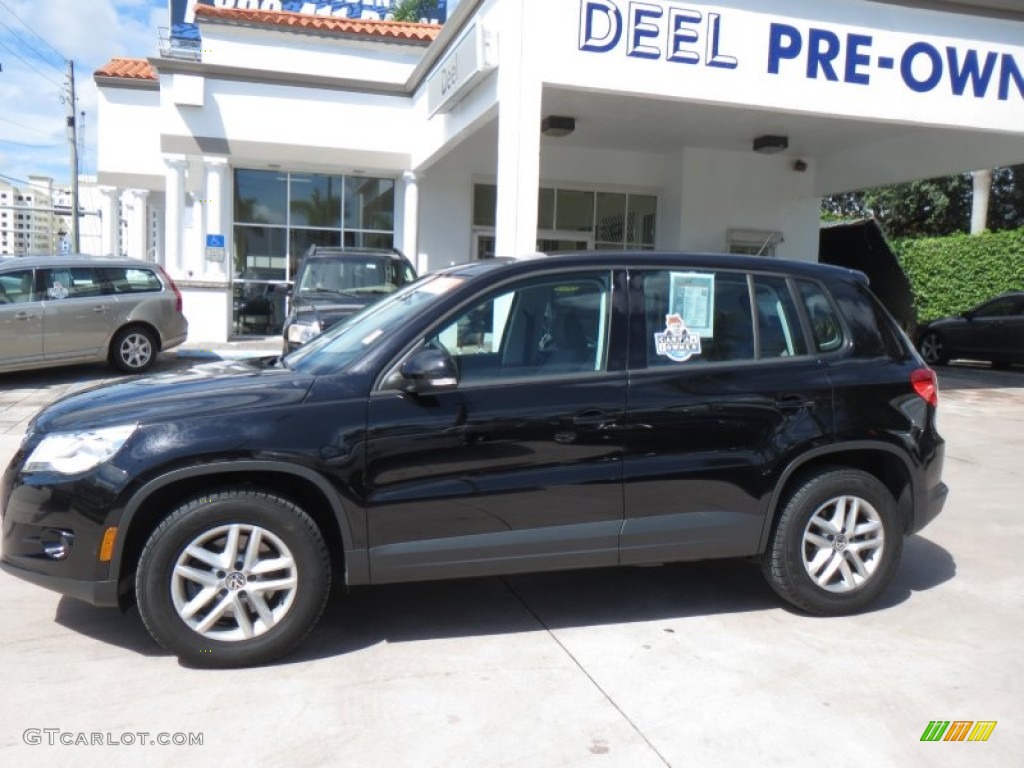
x,y
33,507
104,594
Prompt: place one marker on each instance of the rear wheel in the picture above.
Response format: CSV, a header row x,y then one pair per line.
x,y
235,578
933,349
836,544
133,350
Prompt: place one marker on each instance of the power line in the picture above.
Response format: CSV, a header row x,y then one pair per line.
x,y
24,127
29,146
30,47
30,65
33,184
36,34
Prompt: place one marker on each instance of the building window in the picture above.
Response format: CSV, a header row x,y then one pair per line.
x,y
753,242
279,215
574,218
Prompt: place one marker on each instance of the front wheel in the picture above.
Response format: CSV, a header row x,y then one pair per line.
x,y
231,579
836,544
933,349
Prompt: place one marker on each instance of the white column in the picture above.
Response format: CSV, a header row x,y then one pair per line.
x,y
519,106
217,206
110,210
411,221
174,214
138,226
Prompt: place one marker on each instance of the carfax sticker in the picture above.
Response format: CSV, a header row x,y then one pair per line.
x,y
676,342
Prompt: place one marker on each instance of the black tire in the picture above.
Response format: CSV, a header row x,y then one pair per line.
x,y
798,547
933,348
173,606
133,349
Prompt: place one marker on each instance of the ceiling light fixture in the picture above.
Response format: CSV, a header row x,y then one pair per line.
x,y
771,145
555,125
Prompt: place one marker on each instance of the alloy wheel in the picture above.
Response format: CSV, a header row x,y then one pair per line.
x,y
843,544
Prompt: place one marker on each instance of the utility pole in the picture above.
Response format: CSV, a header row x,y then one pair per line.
x,y
73,141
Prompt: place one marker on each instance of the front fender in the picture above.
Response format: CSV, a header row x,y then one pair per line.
x,y
357,567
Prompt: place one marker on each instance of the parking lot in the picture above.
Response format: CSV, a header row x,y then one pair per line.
x,y
684,665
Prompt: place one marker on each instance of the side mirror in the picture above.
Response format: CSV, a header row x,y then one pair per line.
x,y
428,370
285,288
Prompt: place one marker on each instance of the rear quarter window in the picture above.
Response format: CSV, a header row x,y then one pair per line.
x,y
132,279
870,328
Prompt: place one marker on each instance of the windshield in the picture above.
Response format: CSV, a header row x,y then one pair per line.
x,y
353,275
337,347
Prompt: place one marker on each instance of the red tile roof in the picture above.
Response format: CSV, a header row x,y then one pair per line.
x,y
399,31
131,69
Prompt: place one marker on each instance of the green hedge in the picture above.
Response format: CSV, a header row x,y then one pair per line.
x,y
951,274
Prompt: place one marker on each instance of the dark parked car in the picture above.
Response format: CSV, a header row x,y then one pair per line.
x,y
498,417
335,283
992,331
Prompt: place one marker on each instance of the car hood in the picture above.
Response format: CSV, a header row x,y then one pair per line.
x,y
212,388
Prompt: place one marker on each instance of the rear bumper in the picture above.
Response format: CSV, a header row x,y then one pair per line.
x,y
173,342
933,506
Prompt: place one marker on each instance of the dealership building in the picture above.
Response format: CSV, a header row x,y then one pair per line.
x,y
525,125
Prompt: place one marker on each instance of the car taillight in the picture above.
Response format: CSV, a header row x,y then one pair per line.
x,y
170,282
926,385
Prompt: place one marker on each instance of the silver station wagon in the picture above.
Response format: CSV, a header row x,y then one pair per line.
x,y
59,310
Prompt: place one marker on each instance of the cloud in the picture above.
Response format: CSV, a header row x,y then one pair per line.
x,y
33,136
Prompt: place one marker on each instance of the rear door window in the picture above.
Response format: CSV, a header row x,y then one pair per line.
x,y
692,317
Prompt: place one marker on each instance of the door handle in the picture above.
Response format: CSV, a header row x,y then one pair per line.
x,y
793,402
599,420
23,315
590,418
100,308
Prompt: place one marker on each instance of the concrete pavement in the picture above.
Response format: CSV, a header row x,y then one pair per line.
x,y
685,665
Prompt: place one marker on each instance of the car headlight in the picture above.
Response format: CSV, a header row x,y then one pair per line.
x,y
68,453
300,333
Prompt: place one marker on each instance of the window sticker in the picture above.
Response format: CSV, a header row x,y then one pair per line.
x,y
677,342
692,297
58,291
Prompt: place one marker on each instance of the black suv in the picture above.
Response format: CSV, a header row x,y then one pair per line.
x,y
335,283
503,416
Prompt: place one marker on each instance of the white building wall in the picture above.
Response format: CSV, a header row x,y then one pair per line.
x,y
278,51
446,201
294,125
731,190
129,143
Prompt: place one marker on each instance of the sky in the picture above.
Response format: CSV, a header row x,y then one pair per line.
x,y
37,37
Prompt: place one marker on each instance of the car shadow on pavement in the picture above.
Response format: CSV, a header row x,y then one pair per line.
x,y
123,629
395,613
411,612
